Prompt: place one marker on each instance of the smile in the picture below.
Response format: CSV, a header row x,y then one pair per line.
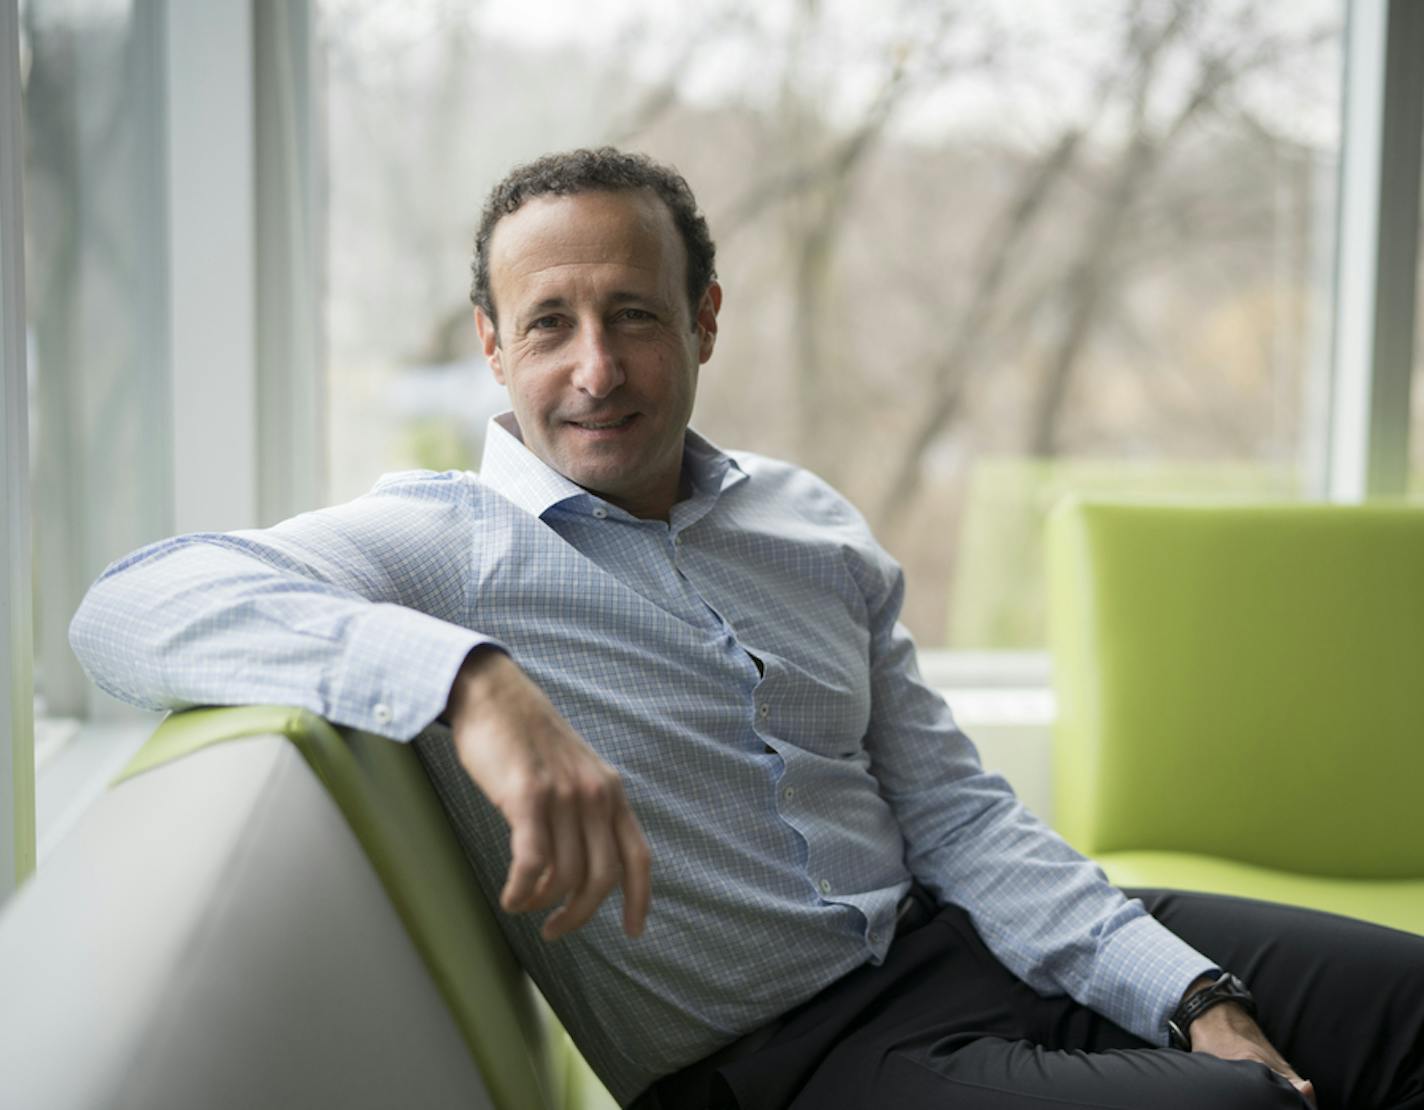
x,y
603,425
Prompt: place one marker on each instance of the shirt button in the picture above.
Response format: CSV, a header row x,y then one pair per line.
x,y
825,885
600,512
763,710
874,937
789,793
382,713
678,540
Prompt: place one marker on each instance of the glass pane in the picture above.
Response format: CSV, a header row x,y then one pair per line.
x,y
974,255
96,302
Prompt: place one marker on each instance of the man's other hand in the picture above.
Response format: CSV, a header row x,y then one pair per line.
x,y
573,837
1229,1032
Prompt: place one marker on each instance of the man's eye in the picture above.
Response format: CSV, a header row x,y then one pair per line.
x,y
637,315
544,323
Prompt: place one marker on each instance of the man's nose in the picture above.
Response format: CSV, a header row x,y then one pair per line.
x,y
597,370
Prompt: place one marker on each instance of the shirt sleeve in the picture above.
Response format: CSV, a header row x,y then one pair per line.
x,y
1045,911
358,612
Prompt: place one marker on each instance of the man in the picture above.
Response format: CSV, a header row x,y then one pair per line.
x,y
677,672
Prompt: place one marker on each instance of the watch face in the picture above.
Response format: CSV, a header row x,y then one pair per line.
x,y
1230,988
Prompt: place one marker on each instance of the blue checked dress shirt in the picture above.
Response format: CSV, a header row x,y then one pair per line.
x,y
741,665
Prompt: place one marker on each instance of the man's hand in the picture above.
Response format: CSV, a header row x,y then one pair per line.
x,y
573,837
1229,1032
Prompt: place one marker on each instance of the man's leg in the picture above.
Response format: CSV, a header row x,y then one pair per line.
x,y
990,1073
1342,1000
959,1030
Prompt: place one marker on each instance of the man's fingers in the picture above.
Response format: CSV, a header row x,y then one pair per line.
x,y
569,863
637,871
1277,1063
600,877
529,856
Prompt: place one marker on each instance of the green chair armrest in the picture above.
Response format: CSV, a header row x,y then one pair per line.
x,y
383,791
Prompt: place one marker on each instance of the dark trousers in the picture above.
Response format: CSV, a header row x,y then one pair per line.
x,y
942,1024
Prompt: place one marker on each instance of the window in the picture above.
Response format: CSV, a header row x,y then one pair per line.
x,y
166,365
974,256
97,319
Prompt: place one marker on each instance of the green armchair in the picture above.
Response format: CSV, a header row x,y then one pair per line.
x,y
1241,699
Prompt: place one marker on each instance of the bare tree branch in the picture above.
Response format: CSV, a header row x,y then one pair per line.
x,y
1087,286
951,373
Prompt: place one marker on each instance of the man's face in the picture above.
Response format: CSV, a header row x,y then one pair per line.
x,y
596,341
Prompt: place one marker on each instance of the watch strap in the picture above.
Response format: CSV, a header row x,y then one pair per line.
x,y
1225,988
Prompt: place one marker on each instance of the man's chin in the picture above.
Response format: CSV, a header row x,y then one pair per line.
x,y
605,476
609,480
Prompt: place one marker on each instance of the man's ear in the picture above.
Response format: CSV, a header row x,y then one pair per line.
x,y
706,321
489,342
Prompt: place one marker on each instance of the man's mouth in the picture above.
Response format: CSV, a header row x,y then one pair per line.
x,y
604,425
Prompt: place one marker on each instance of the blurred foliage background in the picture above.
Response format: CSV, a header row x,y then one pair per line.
x,y
975,254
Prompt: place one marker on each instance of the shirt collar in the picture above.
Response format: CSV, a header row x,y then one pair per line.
x,y
512,470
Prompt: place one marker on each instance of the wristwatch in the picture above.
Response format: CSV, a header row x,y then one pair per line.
x,y
1226,988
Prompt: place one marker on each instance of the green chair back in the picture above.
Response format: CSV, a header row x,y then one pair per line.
x,y
1241,681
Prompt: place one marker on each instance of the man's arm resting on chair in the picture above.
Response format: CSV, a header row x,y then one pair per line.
x,y
573,836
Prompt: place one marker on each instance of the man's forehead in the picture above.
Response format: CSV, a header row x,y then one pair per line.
x,y
548,234
570,220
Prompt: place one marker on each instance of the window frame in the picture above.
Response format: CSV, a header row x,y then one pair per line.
x,y
1377,250
17,786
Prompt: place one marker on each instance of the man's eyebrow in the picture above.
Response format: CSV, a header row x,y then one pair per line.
x,y
617,297
545,305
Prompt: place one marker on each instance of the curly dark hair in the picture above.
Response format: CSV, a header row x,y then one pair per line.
x,y
587,171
